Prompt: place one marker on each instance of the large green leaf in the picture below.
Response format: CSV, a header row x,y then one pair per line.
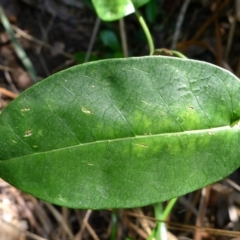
x,y
122,133
116,9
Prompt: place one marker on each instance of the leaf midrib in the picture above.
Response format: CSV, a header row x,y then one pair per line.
x,y
189,132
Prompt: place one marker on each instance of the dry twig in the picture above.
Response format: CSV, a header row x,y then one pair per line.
x,y
8,93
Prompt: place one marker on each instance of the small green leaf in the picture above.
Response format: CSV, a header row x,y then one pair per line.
x,y
122,133
110,39
152,10
116,9
80,57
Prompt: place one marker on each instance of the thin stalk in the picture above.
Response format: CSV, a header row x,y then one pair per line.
x,y
146,31
178,54
160,231
123,37
114,226
168,209
152,234
168,52
179,23
93,38
18,48
158,211
163,217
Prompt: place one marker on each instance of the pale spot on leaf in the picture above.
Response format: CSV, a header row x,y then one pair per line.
x,y
85,110
28,133
25,109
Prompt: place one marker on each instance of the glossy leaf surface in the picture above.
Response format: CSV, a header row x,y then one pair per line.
x,y
122,133
116,9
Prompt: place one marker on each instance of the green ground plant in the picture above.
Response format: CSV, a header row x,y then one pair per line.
x,y
122,133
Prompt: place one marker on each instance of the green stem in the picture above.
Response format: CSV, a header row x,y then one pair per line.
x,y
152,234
178,54
168,209
114,225
161,216
158,212
168,52
146,31
164,215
